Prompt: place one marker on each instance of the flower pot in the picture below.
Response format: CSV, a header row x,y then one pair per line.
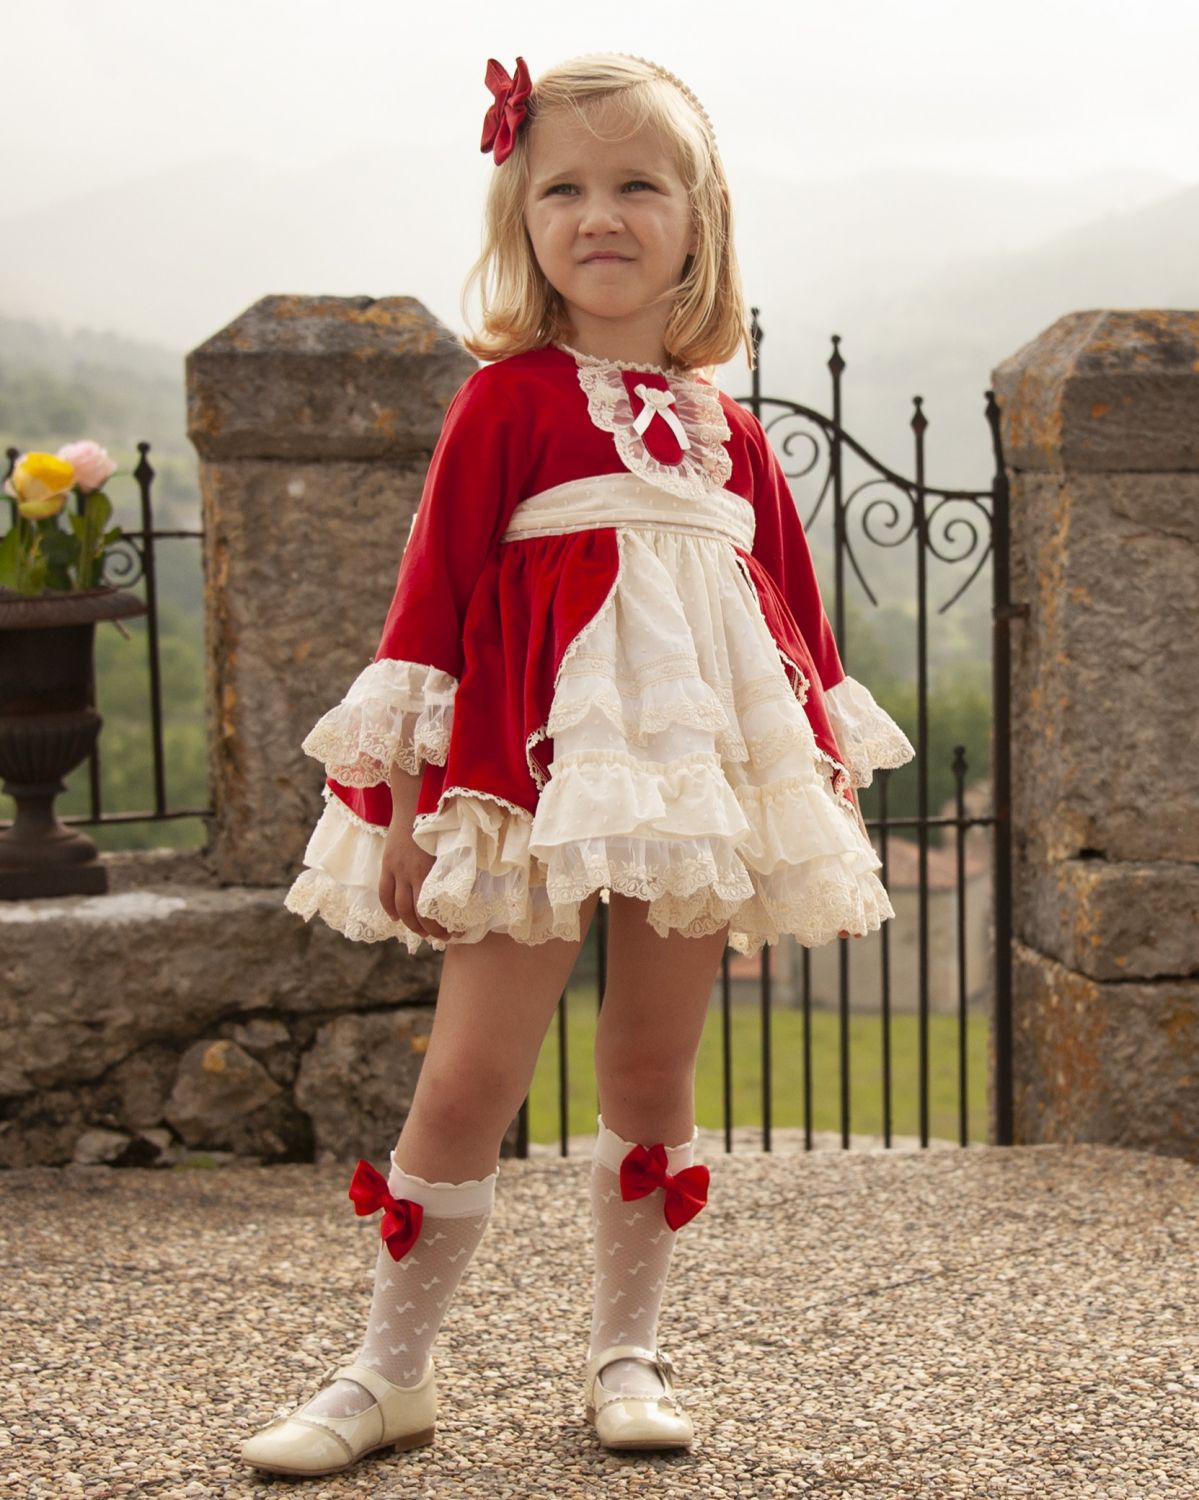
x,y
48,727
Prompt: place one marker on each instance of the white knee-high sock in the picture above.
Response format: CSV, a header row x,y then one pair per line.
x,y
411,1295
633,1249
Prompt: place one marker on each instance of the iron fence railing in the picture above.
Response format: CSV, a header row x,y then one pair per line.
x,y
957,509
135,559
132,561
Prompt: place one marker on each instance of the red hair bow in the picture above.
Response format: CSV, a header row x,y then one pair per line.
x,y
400,1225
505,116
644,1169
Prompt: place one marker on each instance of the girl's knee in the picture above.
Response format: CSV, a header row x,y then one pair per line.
x,y
469,1098
655,1077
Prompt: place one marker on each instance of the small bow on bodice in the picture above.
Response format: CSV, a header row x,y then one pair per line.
x,y
658,403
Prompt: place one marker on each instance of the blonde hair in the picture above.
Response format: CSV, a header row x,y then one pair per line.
x,y
520,310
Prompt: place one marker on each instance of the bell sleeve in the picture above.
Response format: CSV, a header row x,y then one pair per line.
x,y
867,736
400,708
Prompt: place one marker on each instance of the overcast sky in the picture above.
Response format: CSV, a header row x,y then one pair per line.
x,y
96,90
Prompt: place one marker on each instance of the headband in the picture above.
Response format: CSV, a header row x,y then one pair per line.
x,y
511,105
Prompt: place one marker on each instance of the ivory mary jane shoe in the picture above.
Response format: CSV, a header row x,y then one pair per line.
x,y
400,1417
627,1421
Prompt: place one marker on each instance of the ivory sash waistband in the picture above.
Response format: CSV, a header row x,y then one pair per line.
x,y
624,500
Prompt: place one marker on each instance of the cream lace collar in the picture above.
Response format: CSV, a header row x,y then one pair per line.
x,y
705,464
625,364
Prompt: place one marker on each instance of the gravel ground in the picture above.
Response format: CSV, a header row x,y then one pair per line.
x,y
867,1324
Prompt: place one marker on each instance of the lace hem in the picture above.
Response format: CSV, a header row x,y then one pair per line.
x,y
486,878
867,736
782,856
395,712
704,466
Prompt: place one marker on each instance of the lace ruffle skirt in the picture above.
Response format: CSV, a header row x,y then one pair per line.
x,y
684,773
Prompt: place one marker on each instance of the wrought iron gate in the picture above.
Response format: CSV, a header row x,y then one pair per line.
x,y
783,420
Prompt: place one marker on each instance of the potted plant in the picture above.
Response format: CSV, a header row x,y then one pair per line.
x,y
52,593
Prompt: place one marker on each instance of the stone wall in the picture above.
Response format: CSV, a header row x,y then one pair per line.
x,y
314,419
1101,442
188,1012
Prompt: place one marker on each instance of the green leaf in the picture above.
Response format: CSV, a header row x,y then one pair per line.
x,y
98,509
96,512
60,549
10,560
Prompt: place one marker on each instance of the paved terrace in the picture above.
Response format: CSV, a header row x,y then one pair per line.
x,y
951,1323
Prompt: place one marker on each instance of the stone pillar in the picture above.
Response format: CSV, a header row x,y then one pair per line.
x,y
1100,429
314,419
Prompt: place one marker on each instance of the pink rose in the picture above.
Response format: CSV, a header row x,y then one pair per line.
x,y
92,463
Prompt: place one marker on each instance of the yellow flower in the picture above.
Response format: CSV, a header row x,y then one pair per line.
x,y
42,484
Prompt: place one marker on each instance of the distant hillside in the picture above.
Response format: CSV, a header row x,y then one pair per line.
x,y
57,386
930,280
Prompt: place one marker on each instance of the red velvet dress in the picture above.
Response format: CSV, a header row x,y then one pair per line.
x,y
608,659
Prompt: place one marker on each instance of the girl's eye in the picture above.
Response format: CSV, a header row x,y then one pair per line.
x,y
569,186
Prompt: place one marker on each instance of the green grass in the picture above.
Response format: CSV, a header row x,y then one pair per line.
x,y
787,1071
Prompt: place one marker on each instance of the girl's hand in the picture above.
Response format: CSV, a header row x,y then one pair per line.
x,y
405,865
843,933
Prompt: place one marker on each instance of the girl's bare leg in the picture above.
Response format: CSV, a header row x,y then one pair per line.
x,y
651,1023
494,1006
647,1039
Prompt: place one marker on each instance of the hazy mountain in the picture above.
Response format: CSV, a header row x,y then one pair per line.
x,y
173,255
930,279
918,318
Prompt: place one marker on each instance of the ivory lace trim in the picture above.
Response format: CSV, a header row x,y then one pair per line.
x,y
542,731
867,736
485,877
704,466
395,712
620,364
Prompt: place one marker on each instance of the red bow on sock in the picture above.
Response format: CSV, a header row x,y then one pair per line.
x,y
644,1169
400,1225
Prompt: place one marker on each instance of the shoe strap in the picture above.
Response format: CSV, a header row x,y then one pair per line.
x,y
375,1383
660,1360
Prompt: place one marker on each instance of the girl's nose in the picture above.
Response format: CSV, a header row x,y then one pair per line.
x,y
597,218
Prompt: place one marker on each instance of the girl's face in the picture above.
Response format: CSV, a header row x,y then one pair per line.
x,y
610,226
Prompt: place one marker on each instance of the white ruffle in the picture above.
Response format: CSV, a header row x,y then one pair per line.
x,y
685,774
483,878
791,873
868,737
394,712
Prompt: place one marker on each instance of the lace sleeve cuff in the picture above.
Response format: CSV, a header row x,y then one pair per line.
x,y
394,712
868,737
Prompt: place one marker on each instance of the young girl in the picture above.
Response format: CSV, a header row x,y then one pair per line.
x,y
606,669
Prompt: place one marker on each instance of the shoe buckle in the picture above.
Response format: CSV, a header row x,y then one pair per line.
x,y
665,1361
